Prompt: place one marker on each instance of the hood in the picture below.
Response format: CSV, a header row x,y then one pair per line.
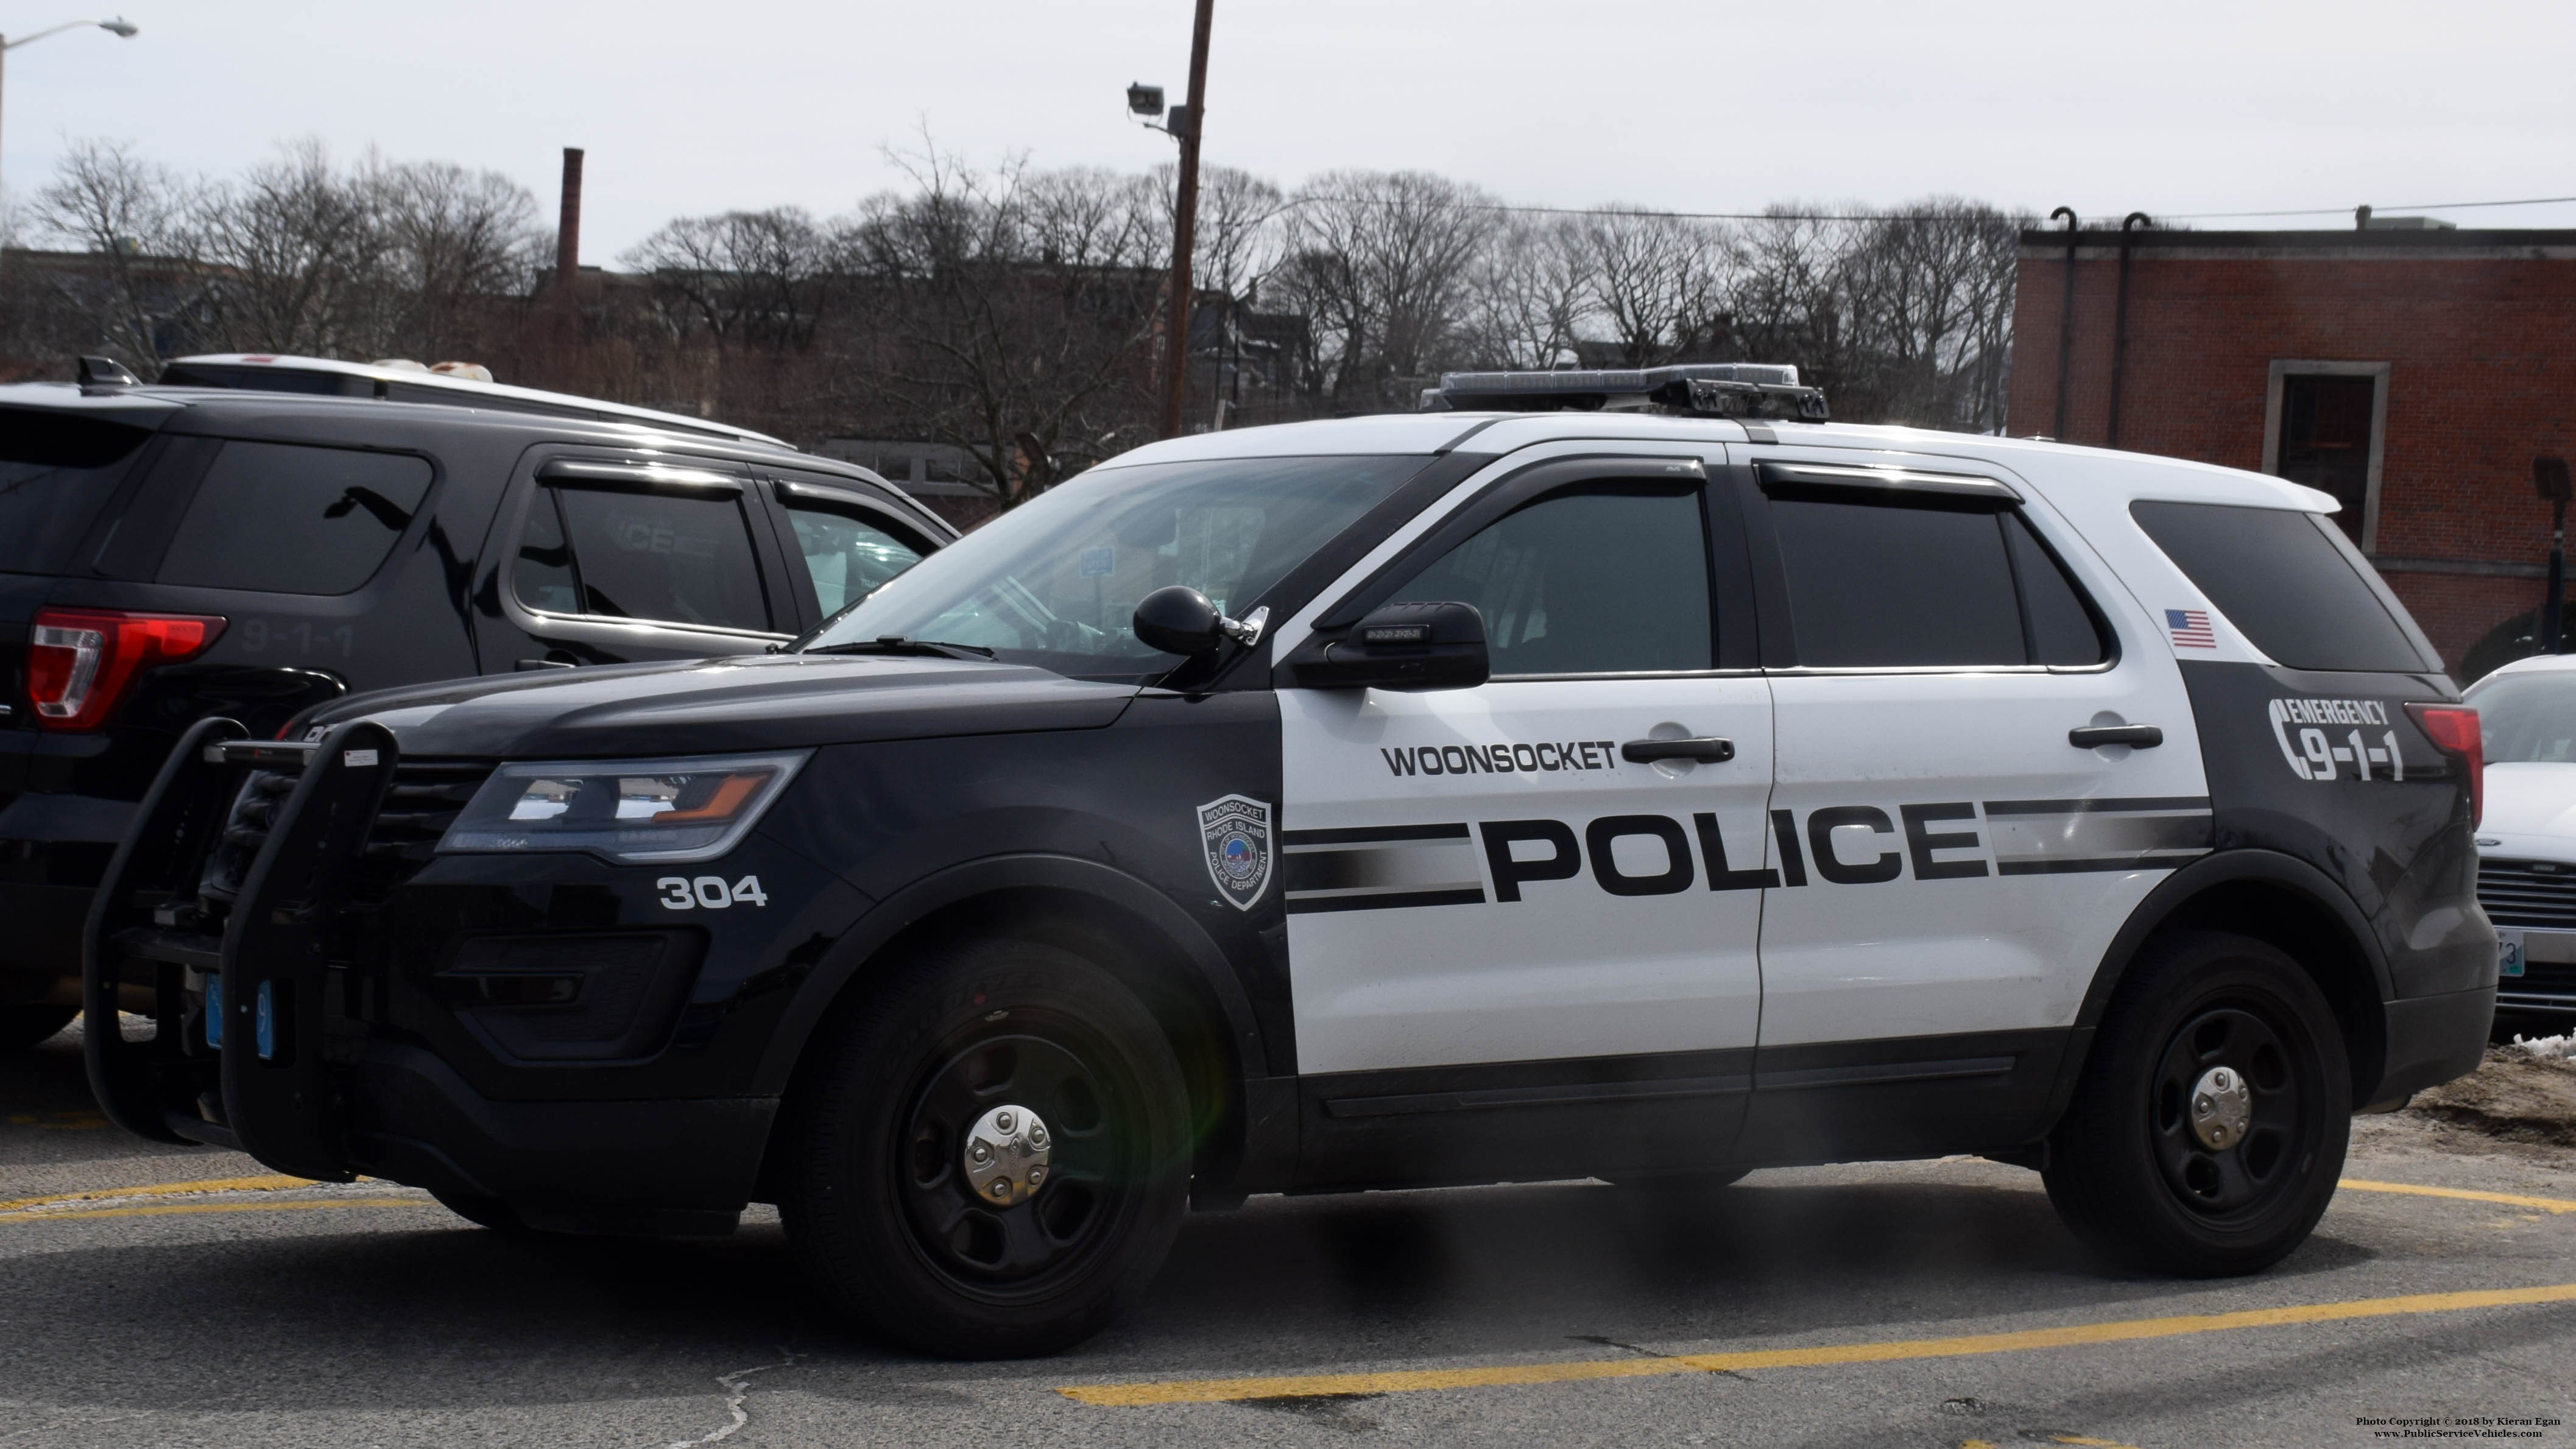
x,y
708,706
2531,810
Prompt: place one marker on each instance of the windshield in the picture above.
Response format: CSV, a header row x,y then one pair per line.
x,y
2527,718
1054,582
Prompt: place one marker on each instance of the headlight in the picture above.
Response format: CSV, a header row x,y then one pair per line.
x,y
633,811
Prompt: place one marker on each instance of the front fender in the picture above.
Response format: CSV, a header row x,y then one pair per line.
x,y
917,901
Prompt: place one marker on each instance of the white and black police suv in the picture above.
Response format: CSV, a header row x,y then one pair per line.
x,y
1611,775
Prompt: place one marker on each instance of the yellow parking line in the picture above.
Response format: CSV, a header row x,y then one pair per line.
x,y
161,1189
2545,1204
1211,1391
174,1209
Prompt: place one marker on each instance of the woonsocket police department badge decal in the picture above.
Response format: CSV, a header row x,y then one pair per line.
x,y
1236,834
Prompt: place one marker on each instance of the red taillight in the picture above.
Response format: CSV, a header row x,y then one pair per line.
x,y
2454,731
80,660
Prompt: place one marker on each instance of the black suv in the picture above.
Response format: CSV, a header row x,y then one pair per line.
x,y
169,554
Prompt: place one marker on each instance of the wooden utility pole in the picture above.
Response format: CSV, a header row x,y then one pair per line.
x,y
1185,215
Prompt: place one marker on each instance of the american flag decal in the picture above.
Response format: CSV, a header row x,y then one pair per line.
x,y
2190,629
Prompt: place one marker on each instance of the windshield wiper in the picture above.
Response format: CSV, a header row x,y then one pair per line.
x,y
898,644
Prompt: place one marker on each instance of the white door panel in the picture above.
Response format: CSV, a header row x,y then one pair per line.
x,y
2001,928
1994,860
1408,947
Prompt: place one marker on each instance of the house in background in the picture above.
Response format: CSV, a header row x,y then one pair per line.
x,y
2409,368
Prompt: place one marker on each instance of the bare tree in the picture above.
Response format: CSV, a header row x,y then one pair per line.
x,y
1653,281
1014,309
1379,265
453,241
1529,296
293,245
132,217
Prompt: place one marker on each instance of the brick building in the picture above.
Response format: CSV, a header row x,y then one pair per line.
x,y
2409,368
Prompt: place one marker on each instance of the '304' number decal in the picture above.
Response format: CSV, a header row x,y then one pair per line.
x,y
708,892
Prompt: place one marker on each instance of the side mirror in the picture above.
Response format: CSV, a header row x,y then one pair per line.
x,y
1178,619
1410,647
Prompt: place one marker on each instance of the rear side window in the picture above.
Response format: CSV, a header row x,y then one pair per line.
x,y
286,519
56,473
670,558
2283,578
1881,584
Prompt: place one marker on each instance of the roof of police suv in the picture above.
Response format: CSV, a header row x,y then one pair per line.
x,y
1504,432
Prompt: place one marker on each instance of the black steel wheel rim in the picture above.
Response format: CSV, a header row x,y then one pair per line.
x,y
1028,1248
2266,1163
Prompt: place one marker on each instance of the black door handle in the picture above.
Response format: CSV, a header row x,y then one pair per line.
x,y
1707,749
524,665
2144,737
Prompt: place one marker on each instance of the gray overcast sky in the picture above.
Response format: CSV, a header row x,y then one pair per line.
x,y
1725,105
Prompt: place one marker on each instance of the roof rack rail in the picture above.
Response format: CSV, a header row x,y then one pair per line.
x,y
274,372
1698,389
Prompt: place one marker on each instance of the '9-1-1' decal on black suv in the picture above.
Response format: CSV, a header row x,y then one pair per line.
x,y
2319,736
1392,866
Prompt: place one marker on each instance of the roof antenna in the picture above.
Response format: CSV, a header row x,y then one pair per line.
x,y
106,372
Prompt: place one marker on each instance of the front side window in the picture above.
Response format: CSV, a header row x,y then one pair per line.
x,y
288,519
847,557
1584,583
1055,581
1913,584
665,557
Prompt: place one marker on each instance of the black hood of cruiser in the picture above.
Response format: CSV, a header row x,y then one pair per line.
x,y
711,706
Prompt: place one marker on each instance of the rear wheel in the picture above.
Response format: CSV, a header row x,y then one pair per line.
x,y
24,1028
989,1157
2209,1129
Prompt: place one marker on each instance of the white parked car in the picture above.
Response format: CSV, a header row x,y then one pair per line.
x,y
2527,841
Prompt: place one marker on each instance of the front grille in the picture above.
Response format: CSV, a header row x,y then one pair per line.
x,y
2528,892
424,799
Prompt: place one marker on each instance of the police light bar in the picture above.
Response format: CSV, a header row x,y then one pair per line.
x,y
1701,389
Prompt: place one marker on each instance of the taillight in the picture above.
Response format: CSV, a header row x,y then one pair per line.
x,y
2454,731
79,661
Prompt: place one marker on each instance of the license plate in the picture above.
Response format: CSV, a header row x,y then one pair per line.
x,y
2508,953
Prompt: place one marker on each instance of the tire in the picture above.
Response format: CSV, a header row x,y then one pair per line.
x,y
485,1212
25,1028
2130,1172
879,1196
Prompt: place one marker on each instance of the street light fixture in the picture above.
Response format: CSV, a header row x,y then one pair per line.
x,y
119,27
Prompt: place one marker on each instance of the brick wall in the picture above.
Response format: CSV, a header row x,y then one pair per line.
x,y
2477,335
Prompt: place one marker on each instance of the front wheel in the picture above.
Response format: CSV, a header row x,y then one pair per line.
x,y
2209,1128
24,1028
988,1157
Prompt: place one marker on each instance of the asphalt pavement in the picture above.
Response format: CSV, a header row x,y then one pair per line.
x,y
168,1296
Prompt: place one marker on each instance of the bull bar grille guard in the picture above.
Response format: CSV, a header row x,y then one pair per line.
x,y
259,1081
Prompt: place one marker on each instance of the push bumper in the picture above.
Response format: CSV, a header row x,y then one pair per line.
x,y
2433,1039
